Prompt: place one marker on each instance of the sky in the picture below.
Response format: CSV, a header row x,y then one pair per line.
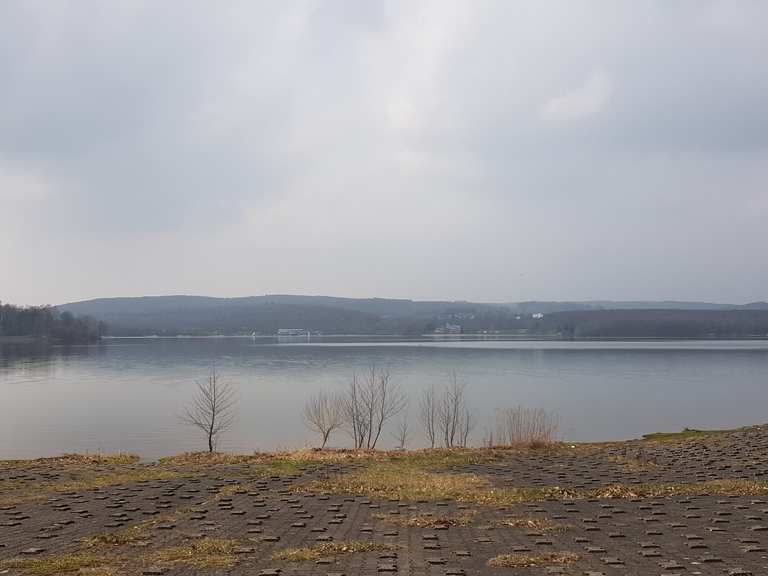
x,y
479,150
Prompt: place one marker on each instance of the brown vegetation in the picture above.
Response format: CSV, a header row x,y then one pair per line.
x,y
330,549
531,560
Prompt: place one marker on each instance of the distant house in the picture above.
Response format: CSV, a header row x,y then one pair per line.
x,y
448,328
292,332
537,316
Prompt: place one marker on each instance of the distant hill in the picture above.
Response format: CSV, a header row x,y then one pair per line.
x,y
173,315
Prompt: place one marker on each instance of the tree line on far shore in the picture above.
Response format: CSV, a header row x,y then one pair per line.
x,y
374,402
48,322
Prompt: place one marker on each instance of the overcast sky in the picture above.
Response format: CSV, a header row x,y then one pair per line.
x,y
491,151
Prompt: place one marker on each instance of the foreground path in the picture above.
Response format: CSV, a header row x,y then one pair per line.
x,y
688,506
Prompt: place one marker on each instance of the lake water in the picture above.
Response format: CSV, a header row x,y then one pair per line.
x,y
127,394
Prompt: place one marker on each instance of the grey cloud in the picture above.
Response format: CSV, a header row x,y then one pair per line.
x,y
294,146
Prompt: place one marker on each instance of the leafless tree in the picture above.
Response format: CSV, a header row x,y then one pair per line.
x,y
402,434
368,406
324,413
453,417
466,425
428,414
213,410
354,413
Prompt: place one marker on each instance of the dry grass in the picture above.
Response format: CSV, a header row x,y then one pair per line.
x,y
133,535
72,460
330,549
710,488
531,523
428,520
59,564
410,480
403,481
531,560
685,434
88,481
203,553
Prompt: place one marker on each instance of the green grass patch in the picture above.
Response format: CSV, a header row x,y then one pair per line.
x,y
685,434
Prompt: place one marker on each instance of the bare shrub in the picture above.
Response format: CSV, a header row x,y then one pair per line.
x,y
213,410
369,404
323,413
454,420
527,426
428,414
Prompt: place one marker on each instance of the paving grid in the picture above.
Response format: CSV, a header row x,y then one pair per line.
x,y
704,535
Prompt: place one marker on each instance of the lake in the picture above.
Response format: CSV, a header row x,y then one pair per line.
x,y
127,394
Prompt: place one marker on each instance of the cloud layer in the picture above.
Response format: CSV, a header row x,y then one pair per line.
x,y
482,150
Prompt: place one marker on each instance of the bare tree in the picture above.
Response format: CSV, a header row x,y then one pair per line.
x,y
402,434
466,425
428,414
454,420
354,417
369,405
324,413
213,410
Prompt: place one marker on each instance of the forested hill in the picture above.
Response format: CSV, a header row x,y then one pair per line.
x,y
200,315
655,323
47,322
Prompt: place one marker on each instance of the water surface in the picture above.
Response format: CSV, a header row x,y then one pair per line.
x,y
127,394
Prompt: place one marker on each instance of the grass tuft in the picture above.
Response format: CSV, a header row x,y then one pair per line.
x,y
531,523
531,560
428,520
203,553
330,549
